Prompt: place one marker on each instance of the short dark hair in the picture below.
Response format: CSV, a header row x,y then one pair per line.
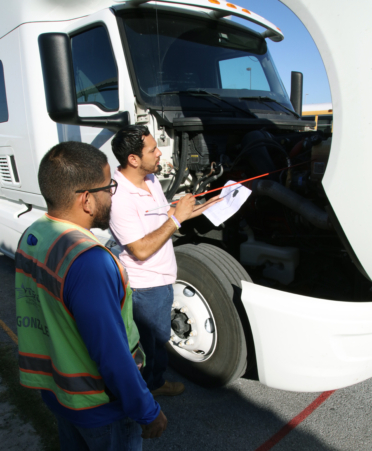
x,y
127,141
68,167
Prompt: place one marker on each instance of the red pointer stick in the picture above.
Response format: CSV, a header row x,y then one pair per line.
x,y
211,191
232,184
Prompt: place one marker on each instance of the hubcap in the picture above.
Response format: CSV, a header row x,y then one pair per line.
x,y
179,324
194,333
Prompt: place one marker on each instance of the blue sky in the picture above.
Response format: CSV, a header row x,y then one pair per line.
x,y
297,52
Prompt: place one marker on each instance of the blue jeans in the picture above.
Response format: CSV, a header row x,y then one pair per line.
x,y
152,315
121,435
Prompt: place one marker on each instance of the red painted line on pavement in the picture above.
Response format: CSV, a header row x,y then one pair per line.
x,y
295,421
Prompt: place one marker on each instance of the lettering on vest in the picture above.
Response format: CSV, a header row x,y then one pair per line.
x,y
32,322
26,293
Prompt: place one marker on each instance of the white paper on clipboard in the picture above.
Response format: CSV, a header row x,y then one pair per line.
x,y
233,198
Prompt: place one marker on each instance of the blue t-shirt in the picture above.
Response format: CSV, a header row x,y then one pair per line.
x,y
92,293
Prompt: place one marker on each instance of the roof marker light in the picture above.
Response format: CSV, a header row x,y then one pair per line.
x,y
245,11
216,2
230,5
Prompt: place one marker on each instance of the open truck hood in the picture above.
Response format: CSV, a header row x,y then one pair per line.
x,y
347,180
303,343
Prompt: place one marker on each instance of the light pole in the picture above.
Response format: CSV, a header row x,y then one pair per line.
x,y
249,69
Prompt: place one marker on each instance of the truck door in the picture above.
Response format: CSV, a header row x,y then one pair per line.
x,y
102,82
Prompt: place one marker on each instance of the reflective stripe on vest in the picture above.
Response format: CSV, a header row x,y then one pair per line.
x,y
61,246
72,383
43,276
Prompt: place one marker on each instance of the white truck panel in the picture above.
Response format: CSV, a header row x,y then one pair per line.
x,y
308,344
13,223
41,131
14,133
22,11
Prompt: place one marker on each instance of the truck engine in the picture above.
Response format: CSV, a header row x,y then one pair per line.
x,y
286,224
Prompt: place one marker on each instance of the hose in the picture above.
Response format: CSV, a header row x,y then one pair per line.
x,y
261,143
292,200
255,146
199,181
182,167
209,180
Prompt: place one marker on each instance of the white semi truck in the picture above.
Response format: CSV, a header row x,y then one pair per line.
x,y
286,282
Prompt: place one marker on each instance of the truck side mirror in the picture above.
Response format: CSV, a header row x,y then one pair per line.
x,y
296,91
59,85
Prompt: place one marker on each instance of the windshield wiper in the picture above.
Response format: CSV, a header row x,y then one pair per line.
x,y
265,99
203,92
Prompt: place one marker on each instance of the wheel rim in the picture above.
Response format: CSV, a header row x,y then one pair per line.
x,y
194,331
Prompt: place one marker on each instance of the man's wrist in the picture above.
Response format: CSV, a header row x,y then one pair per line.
x,y
175,221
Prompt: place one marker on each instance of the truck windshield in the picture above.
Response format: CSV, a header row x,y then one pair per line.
x,y
173,53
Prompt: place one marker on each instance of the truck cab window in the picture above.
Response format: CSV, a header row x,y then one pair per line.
x,y
243,73
96,75
4,116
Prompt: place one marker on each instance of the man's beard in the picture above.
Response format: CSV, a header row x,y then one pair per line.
x,y
147,169
102,218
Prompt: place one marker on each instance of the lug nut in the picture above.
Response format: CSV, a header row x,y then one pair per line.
x,y
190,321
175,304
193,333
184,309
181,344
189,342
173,338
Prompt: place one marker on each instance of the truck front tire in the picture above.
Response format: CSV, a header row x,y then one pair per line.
x,y
208,344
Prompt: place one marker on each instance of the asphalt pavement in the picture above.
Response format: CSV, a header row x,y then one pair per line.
x,y
245,415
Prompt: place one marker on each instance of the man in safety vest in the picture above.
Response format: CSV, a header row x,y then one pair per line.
x,y
78,342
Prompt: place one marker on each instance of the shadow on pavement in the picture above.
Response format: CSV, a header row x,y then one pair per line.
x,y
225,419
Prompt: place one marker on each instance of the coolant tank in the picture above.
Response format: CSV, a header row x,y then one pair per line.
x,y
280,262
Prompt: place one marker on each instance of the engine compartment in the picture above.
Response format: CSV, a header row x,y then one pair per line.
x,y
286,234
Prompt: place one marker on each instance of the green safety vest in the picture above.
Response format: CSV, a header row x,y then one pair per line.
x,y
52,354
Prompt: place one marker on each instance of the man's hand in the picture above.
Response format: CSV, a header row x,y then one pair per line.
x,y
184,208
156,428
149,244
199,209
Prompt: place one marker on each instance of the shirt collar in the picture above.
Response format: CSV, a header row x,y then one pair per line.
x,y
120,178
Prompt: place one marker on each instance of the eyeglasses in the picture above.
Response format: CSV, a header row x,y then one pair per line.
x,y
112,187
